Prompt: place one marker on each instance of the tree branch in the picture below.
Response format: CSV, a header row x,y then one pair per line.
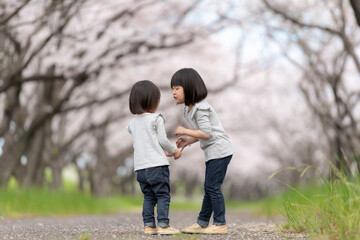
x,y
57,108
346,42
7,18
355,4
96,101
127,12
34,78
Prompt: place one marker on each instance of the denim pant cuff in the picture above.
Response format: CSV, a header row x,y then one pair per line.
x,y
219,223
150,224
202,223
164,224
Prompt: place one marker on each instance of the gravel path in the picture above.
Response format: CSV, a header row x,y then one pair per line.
x,y
128,225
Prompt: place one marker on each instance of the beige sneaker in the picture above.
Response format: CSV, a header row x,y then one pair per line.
x,y
167,231
214,229
195,228
150,230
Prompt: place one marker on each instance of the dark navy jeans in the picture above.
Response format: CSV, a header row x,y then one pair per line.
x,y
155,184
213,199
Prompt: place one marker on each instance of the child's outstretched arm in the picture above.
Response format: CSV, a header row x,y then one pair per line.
x,y
203,121
198,134
170,149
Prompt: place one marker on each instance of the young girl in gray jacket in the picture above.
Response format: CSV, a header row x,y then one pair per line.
x,y
151,165
189,88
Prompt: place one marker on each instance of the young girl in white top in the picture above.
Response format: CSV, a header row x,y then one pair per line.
x,y
189,88
150,163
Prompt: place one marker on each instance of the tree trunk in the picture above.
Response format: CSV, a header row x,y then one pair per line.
x,y
39,176
11,130
355,4
34,159
81,177
99,184
190,184
56,177
9,159
99,174
173,187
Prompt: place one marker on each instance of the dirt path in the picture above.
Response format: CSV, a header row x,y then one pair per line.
x,y
242,225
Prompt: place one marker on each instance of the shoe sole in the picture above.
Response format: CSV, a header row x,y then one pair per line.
x,y
192,231
168,233
215,233
151,233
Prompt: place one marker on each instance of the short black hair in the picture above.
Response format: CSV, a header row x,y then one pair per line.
x,y
192,83
144,97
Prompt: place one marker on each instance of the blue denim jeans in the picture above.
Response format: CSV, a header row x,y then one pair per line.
x,y
155,184
213,199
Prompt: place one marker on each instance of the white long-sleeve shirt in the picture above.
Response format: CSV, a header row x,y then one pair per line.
x,y
149,141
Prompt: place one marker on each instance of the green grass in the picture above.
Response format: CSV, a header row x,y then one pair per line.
x,y
330,210
16,202
44,202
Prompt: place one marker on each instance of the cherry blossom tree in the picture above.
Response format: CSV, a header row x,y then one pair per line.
x,y
65,76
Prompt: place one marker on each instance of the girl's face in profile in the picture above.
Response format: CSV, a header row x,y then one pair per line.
x,y
178,94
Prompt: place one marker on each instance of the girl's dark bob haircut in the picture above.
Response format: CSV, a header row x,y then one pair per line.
x,y
144,97
192,83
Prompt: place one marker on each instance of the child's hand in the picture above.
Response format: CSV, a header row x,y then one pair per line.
x,y
177,154
180,130
168,154
182,142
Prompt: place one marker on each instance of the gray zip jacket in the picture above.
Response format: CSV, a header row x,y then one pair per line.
x,y
149,141
203,117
